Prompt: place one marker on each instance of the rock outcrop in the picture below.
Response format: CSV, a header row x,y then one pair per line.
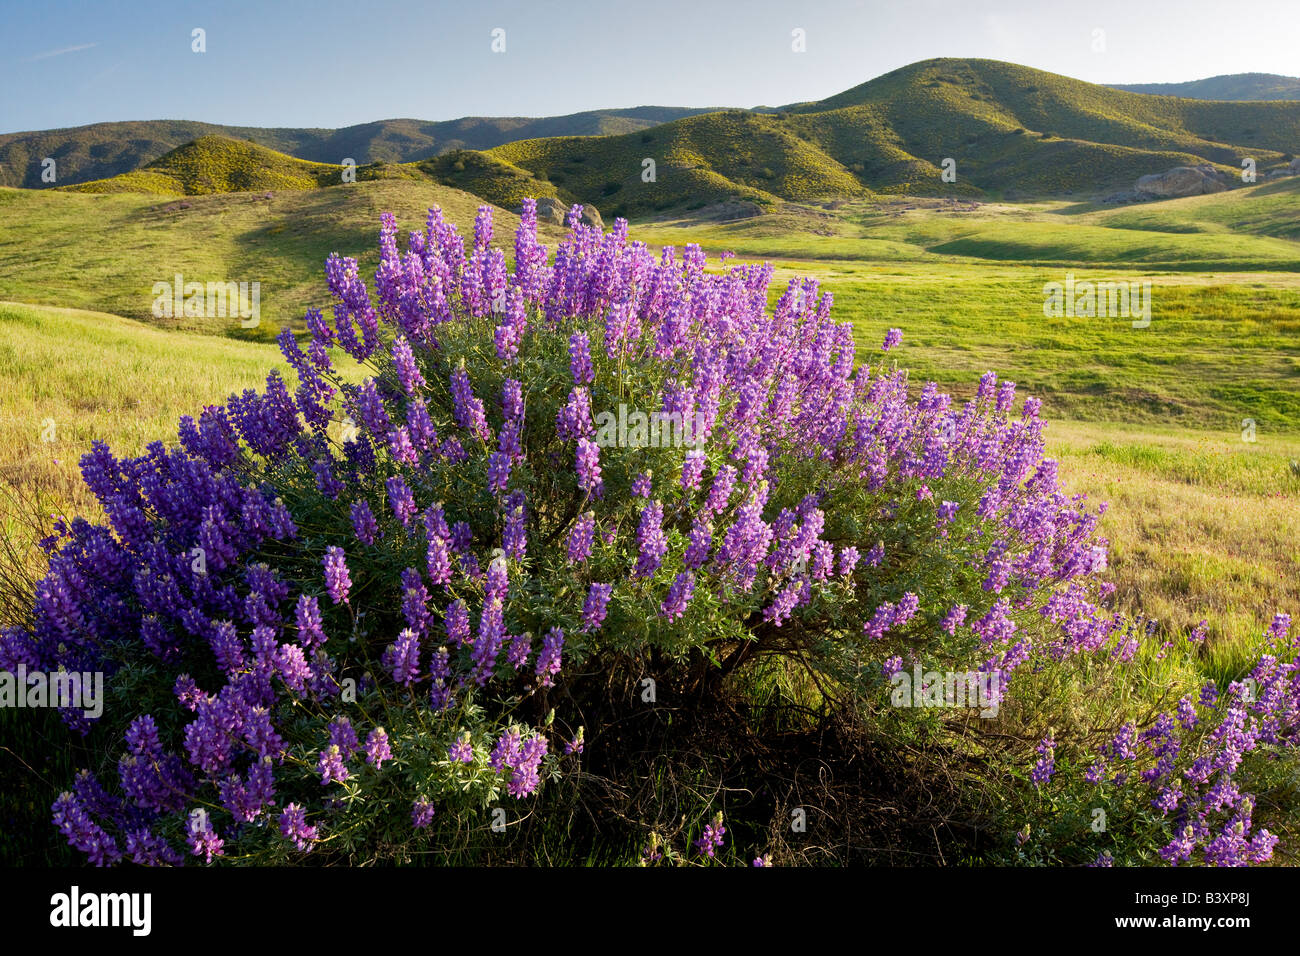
x,y
554,211
1181,181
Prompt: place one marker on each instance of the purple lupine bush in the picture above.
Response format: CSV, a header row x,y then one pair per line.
x,y
347,608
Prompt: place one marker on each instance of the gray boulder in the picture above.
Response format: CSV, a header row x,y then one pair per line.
x,y
1295,166
552,210
1181,181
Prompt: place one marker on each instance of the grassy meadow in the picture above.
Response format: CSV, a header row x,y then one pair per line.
x,y
1202,523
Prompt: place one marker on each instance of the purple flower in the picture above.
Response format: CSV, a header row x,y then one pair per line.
x,y
456,623
692,470
699,543
514,540
892,338
142,737
363,523
344,736
402,658
468,410
581,537
679,595
408,372
461,750
1046,764
421,813
594,607
522,758
331,766
400,500
337,581
83,834
650,541
580,359
438,561
377,748
588,467
291,663
203,838
294,828
712,837
521,645
548,658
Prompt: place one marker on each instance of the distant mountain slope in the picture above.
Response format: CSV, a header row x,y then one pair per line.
x,y
102,150
1230,86
1009,131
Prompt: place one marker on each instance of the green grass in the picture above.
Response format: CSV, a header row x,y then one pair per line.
x,y
73,377
1202,525
105,252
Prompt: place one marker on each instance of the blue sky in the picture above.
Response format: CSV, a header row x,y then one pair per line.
x,y
333,63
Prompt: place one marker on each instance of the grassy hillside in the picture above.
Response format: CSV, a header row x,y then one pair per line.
x,y
1254,231
104,252
1014,128
1011,130
102,150
215,164
1232,86
1267,209
72,377
697,161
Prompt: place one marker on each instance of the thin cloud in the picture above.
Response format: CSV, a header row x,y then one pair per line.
x,y
59,52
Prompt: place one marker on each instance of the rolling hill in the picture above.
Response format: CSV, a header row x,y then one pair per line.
x,y
1232,86
1011,132
102,150
215,164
